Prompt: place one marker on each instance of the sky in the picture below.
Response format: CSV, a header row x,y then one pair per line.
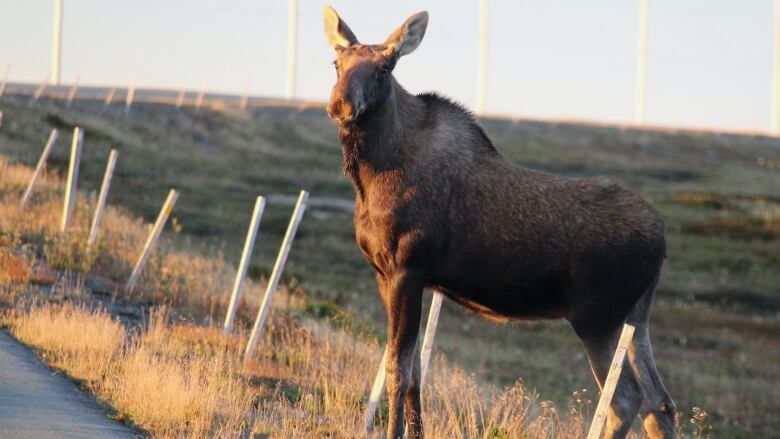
x,y
709,61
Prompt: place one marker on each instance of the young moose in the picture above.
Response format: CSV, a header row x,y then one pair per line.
x,y
437,206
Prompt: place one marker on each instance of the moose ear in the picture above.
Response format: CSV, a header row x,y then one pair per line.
x,y
407,37
336,31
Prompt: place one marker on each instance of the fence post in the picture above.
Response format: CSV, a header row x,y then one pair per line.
x,y
180,98
109,97
611,382
72,93
425,357
246,256
41,164
199,98
39,90
73,176
129,97
5,79
244,97
281,259
151,242
430,333
376,393
101,203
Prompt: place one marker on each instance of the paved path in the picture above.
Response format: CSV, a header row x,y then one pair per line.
x,y
36,403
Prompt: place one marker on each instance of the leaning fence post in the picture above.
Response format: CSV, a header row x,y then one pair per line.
x,y
101,203
425,357
72,93
273,281
430,333
180,98
376,392
199,98
109,96
610,383
73,176
4,80
246,256
129,97
41,164
39,90
244,97
151,241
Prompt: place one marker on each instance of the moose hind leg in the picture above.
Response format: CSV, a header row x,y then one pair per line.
x,y
628,394
414,427
657,411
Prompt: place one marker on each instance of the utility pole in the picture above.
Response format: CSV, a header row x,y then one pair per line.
x,y
640,91
56,43
292,47
776,73
482,59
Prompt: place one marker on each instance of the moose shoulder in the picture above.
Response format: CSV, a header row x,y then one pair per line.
x,y
437,206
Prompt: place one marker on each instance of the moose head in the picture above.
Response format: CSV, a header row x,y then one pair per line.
x,y
364,71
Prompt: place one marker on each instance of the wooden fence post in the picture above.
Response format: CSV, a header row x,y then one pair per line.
x,y
151,242
281,259
39,90
109,96
180,98
376,393
611,382
129,97
41,164
72,93
4,80
244,97
101,203
199,98
430,333
246,256
73,176
425,357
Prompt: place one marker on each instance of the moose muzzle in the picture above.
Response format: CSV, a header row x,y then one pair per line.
x,y
346,104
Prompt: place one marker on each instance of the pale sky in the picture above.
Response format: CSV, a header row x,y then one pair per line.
x,y
709,61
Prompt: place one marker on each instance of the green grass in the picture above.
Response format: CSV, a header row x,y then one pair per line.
x,y
716,321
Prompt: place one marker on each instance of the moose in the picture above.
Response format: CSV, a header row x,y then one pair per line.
x,y
437,206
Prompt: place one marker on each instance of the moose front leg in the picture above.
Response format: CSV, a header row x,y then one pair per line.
x,y
402,295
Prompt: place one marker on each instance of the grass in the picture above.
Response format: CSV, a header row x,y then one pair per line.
x,y
716,329
170,377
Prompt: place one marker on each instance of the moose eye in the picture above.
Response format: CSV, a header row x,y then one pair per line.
x,y
384,70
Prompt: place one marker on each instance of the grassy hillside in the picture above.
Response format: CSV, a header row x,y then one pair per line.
x,y
716,321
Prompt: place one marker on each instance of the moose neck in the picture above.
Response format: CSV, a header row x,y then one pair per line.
x,y
378,142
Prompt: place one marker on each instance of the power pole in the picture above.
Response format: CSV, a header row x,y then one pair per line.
x,y
56,43
776,73
482,59
292,47
640,91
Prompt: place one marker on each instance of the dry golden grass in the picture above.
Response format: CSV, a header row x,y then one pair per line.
x,y
308,380
196,285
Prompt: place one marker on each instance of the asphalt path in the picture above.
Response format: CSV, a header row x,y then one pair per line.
x,y
35,402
